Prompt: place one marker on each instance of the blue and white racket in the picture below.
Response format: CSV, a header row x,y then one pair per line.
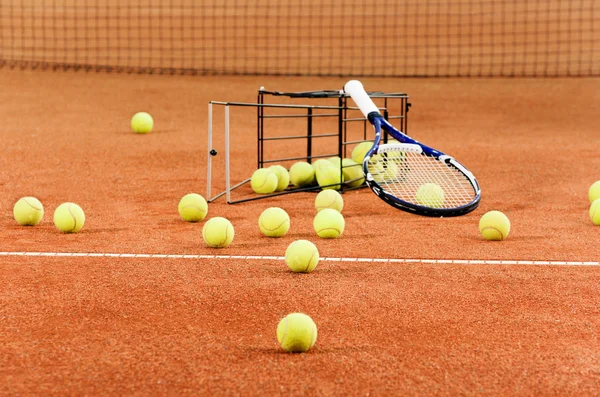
x,y
409,175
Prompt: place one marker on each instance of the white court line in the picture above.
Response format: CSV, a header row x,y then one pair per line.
x,y
281,258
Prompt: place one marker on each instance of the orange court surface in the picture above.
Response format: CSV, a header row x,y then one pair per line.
x,y
136,304
141,326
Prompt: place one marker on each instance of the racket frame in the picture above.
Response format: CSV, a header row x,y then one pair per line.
x,y
370,110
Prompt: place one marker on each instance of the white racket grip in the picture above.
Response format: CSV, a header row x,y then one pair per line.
x,y
360,97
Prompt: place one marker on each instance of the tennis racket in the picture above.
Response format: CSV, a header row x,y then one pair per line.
x,y
409,175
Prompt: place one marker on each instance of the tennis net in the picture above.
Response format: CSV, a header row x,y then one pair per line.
x,y
305,37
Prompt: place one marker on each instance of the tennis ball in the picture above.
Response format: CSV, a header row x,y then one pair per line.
x,y
69,218
329,176
359,152
28,211
283,177
274,222
393,154
430,195
264,181
494,225
218,232
320,163
384,171
329,223
302,174
353,173
329,199
594,192
142,123
335,160
595,212
296,333
192,207
302,256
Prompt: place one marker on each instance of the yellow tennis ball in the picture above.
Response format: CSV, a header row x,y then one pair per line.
x,y
353,173
296,333
384,171
329,199
329,223
393,154
329,176
335,160
494,225
594,192
430,195
595,212
274,222
359,152
302,256
218,232
69,218
320,163
302,174
283,177
28,211
192,207
264,181
142,123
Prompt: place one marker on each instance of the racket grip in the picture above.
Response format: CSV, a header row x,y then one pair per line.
x,y
360,96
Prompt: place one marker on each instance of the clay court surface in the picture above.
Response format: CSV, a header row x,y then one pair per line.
x,y
182,326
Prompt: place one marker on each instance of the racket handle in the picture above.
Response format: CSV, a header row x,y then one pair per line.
x,y
360,96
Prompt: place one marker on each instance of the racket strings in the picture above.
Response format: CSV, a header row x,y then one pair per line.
x,y
419,179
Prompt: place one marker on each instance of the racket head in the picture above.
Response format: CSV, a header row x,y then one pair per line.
x,y
416,178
